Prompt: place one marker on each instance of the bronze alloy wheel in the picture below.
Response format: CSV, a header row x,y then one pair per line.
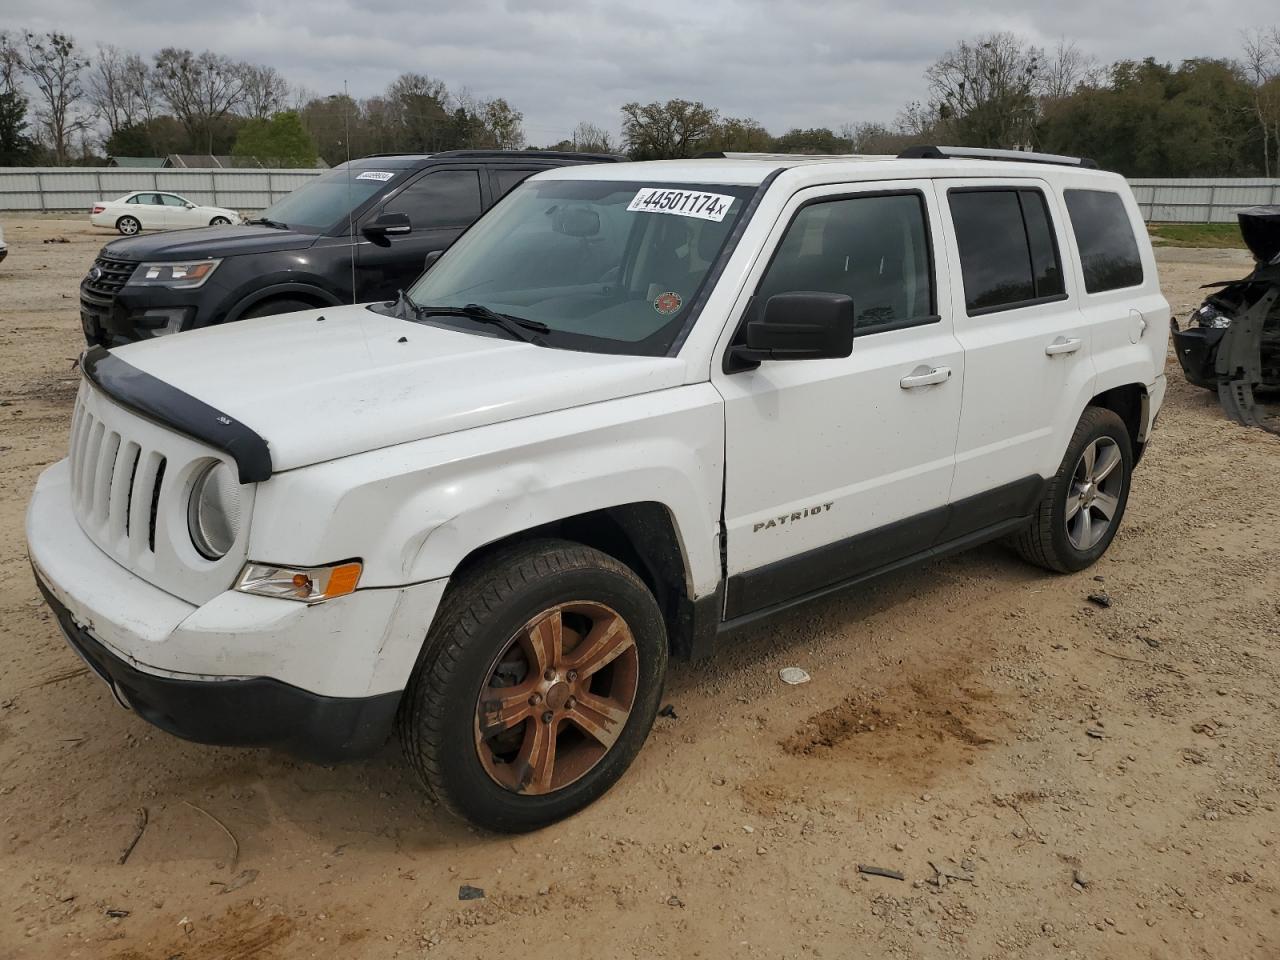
x,y
557,697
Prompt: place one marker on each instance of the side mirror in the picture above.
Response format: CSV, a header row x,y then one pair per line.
x,y
189,205
387,225
797,326
431,259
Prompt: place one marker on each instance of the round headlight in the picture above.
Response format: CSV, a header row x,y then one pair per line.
x,y
213,515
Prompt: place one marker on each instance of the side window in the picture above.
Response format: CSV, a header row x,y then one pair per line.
x,y
1008,254
446,198
171,201
874,249
150,199
136,198
505,179
1104,235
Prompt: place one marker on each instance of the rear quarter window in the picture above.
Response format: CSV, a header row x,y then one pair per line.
x,y
1104,236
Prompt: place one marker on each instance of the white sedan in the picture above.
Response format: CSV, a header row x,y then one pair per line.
x,y
151,210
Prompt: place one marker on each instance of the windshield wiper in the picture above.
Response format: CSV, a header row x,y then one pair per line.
x,y
521,328
268,222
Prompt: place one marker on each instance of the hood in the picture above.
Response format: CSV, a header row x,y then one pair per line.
x,y
207,242
316,390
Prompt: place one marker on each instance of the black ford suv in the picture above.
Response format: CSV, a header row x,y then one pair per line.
x,y
359,232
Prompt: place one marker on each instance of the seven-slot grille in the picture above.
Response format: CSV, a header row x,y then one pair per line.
x,y
115,484
111,275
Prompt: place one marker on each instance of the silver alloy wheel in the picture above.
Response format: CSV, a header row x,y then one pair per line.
x,y
1094,496
128,226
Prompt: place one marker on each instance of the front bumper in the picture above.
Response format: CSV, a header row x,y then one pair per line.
x,y
320,681
1197,350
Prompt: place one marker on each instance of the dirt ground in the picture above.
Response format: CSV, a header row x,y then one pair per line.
x,y
1087,782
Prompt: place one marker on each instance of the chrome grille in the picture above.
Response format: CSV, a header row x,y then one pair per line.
x,y
108,276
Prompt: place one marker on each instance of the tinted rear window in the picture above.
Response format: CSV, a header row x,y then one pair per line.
x,y
1008,254
1104,235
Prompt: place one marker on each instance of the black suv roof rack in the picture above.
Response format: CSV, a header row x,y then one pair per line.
x,y
507,154
984,153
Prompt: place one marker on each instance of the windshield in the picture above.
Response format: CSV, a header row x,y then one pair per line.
x,y
323,201
608,266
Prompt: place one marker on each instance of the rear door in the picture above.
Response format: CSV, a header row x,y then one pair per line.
x,y
440,204
150,211
1026,345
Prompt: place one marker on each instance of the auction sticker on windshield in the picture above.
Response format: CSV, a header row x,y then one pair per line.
x,y
683,203
382,175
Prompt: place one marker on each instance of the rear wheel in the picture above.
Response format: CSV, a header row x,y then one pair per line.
x,y
1081,511
128,225
537,686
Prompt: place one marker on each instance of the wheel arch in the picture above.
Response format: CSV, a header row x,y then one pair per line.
x,y
641,535
1131,403
319,296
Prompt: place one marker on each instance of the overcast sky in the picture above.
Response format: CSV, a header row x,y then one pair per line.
x,y
789,63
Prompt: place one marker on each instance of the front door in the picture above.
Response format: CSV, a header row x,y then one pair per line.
x,y
440,204
835,468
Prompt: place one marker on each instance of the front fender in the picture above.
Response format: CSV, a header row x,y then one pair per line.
x,y
414,511
292,287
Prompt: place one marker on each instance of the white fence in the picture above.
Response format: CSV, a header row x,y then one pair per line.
x,y
75,188
1202,201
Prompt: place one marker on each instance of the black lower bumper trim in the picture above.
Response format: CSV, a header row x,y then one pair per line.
x,y
1197,350
259,712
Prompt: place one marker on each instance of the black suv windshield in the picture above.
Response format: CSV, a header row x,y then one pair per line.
x,y
326,200
608,266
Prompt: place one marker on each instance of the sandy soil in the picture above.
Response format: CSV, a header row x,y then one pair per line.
x,y
1089,782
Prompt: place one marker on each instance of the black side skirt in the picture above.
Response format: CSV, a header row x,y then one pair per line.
x,y
168,406
816,573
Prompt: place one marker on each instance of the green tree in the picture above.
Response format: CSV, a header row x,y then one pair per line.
x,y
16,147
666,131
813,140
739,135
280,141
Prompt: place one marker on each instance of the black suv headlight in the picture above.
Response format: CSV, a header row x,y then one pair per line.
x,y
1210,317
177,275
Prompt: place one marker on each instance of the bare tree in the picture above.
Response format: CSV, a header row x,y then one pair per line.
x,y
589,138
199,90
503,122
54,64
1065,70
265,91
985,90
119,88
1262,66
10,63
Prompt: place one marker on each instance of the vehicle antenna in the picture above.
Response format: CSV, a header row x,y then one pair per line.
x,y
351,213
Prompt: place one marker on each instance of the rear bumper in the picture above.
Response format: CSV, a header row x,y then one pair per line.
x,y
257,711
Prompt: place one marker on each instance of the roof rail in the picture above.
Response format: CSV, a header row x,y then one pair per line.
x,y
518,154
983,153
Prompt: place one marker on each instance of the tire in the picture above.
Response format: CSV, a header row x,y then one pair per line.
x,y
128,225
219,222
1054,540
269,308
484,617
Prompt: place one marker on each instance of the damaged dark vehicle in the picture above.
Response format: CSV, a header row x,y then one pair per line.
x,y
1232,341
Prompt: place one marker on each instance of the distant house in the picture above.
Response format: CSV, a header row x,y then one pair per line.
x,y
136,162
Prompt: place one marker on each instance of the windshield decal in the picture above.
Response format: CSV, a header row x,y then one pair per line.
x,y
667,303
381,176
683,203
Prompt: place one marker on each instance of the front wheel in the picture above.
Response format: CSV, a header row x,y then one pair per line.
x,y
1078,517
537,685
128,225
219,222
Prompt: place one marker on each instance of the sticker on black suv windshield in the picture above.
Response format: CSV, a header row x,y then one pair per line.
x,y
381,175
683,203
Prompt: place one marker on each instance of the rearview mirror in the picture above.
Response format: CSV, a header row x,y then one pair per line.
x,y
387,225
803,325
579,222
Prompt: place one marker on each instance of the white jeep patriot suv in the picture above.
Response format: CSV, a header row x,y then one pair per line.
x,y
632,408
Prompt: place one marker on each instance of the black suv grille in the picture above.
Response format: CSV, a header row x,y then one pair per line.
x,y
107,276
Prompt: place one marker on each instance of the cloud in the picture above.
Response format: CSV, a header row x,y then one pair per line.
x,y
798,63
